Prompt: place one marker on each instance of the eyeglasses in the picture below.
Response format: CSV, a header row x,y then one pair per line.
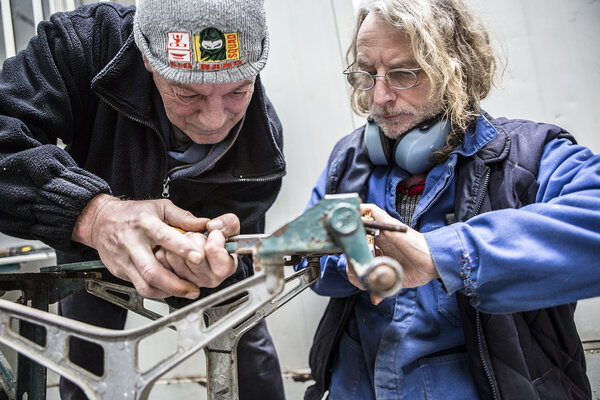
x,y
399,78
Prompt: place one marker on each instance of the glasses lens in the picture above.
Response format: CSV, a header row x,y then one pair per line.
x,y
401,79
360,80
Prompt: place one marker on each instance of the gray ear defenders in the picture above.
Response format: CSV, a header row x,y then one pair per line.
x,y
412,151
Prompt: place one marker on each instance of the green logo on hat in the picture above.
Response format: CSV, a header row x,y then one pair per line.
x,y
212,45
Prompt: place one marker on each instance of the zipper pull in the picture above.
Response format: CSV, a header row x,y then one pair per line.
x,y
165,192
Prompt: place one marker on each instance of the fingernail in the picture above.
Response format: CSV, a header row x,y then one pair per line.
x,y
194,257
192,295
215,225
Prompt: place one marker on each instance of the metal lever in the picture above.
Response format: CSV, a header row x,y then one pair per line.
x,y
332,226
381,275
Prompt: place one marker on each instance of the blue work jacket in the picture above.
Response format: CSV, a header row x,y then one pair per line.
x,y
410,346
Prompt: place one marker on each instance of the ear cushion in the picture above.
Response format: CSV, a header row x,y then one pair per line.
x,y
379,147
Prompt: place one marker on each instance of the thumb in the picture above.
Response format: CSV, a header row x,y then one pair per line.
x,y
183,219
228,223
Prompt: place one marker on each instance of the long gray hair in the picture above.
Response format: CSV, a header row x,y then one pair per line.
x,y
451,45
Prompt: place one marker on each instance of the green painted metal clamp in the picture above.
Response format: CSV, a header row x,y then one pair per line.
x,y
331,226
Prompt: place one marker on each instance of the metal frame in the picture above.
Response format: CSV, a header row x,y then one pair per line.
x,y
224,323
215,323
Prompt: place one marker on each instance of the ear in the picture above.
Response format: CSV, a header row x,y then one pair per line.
x,y
147,64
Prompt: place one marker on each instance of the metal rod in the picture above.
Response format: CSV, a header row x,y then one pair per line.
x,y
384,226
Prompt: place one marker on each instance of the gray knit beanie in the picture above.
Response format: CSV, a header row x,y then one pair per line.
x,y
203,41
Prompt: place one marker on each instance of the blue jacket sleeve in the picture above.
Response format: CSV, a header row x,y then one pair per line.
x,y
541,255
334,281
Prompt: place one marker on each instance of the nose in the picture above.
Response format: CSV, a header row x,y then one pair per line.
x,y
212,113
382,93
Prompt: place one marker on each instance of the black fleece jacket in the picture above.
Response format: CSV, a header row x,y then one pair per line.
x,y
82,80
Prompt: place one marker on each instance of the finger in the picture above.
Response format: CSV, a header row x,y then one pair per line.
x,y
161,255
202,269
131,275
221,263
172,240
367,207
228,223
181,269
145,290
152,275
377,213
376,299
352,277
182,218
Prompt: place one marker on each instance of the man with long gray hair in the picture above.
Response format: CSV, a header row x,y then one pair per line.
x,y
487,202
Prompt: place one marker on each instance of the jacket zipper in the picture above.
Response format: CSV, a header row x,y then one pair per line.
x,y
486,369
267,178
166,184
166,181
486,181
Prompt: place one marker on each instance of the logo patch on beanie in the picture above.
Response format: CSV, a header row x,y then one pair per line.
x,y
210,45
221,50
213,49
179,48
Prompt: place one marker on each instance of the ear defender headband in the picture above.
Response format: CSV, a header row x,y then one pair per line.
x,y
412,151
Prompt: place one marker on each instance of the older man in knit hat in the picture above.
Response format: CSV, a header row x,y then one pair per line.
x,y
166,123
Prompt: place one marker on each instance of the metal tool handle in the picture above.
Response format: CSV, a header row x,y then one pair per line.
x,y
382,276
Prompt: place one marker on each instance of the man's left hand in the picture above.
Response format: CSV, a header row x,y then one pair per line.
x,y
408,248
216,263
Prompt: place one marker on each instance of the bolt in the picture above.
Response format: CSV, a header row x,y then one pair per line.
x,y
139,383
344,220
57,356
221,380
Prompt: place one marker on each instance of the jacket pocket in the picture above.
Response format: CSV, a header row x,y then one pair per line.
x,y
446,304
448,377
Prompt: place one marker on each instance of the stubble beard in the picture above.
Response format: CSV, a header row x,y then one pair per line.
x,y
409,117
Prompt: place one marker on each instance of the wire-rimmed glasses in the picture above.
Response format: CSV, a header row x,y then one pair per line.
x,y
398,78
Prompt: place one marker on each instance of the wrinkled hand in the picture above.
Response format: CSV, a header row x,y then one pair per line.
x,y
126,234
216,265
408,248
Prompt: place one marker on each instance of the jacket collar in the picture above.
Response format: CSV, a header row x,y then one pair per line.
x,y
486,138
126,85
